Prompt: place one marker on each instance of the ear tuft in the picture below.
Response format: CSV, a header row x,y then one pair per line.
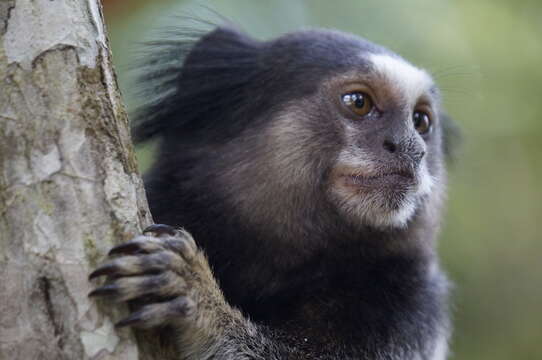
x,y
189,78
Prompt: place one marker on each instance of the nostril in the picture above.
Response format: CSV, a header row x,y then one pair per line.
x,y
418,156
389,146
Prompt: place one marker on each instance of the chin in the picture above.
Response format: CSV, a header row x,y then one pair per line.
x,y
395,216
388,203
379,210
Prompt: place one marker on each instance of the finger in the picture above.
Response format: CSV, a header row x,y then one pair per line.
x,y
159,314
140,244
129,288
160,230
134,265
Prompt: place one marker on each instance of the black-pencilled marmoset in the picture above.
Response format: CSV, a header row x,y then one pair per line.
x,y
308,175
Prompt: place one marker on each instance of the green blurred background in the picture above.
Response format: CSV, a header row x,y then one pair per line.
x,y
487,58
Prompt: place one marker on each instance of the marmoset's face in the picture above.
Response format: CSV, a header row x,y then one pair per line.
x,y
376,129
388,116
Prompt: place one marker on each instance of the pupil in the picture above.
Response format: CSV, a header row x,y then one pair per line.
x,y
421,122
417,119
359,101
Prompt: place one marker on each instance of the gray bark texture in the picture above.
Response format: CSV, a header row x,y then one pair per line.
x,y
69,185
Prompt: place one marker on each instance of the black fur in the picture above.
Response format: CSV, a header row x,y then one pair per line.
x,y
327,288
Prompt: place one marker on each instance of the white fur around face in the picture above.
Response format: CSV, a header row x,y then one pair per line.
x,y
409,81
367,207
441,349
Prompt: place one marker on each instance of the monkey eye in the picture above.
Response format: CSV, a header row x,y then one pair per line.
x,y
360,103
422,122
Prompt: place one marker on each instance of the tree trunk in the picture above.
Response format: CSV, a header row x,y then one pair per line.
x,y
69,185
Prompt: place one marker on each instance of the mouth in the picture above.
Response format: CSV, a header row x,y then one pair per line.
x,y
393,179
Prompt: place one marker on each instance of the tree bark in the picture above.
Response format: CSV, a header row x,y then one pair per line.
x,y
69,185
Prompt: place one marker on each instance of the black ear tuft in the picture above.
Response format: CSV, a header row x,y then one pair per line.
x,y
452,137
188,79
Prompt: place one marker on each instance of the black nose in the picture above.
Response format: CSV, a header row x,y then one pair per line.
x,y
409,148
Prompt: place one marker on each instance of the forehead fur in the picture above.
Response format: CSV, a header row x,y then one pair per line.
x,y
407,80
304,59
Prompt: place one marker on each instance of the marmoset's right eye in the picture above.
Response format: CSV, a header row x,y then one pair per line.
x,y
359,102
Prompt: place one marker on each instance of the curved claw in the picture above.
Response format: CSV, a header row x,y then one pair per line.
x,y
132,319
106,269
127,247
140,244
160,229
104,290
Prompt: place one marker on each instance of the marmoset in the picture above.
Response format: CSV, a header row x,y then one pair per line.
x,y
308,174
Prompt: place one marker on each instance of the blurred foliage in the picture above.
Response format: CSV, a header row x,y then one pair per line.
x,y
487,58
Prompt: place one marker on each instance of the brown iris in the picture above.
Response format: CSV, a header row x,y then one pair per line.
x,y
360,103
422,122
